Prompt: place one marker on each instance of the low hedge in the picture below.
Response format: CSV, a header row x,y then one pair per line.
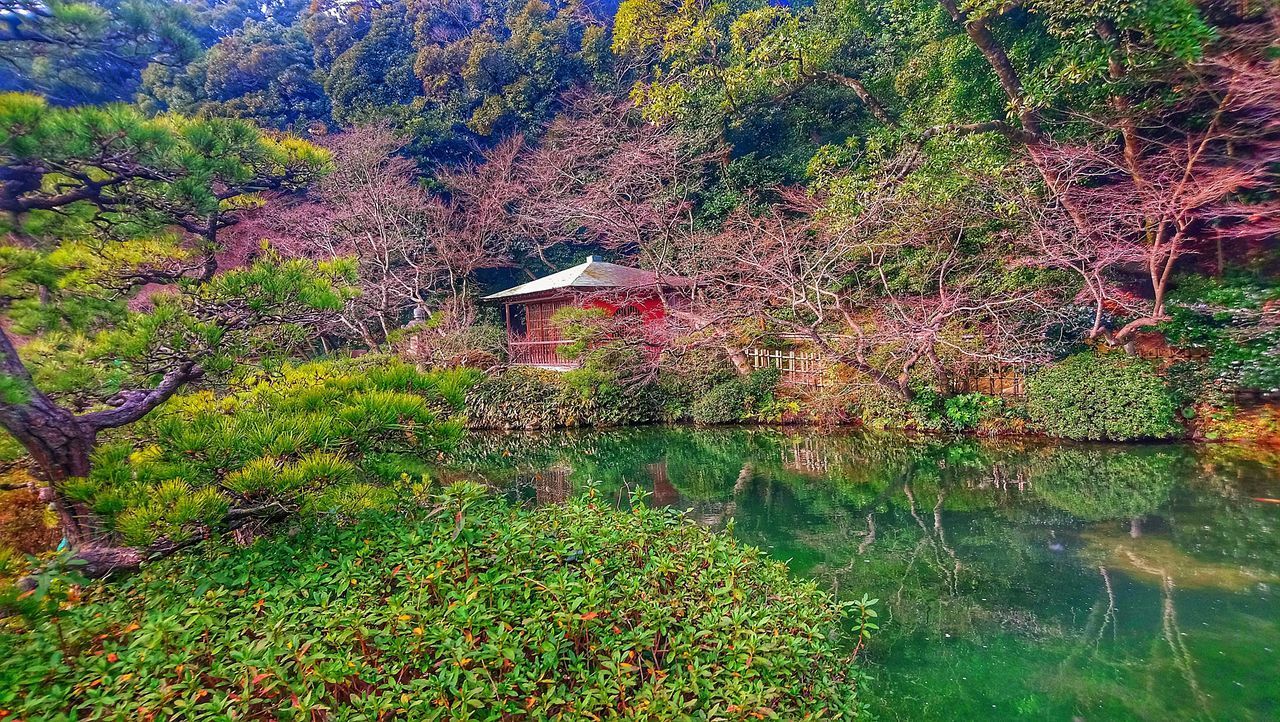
x,y
527,398
737,399
456,606
1101,397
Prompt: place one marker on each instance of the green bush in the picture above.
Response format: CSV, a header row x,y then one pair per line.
x,y
274,440
964,412
519,398
738,399
602,391
927,410
760,385
880,408
725,403
1108,396
454,606
687,377
526,398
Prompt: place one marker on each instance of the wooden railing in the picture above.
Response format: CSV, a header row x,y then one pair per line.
x,y
540,353
798,367
1003,379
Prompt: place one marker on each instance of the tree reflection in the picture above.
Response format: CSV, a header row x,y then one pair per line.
x,y
1109,482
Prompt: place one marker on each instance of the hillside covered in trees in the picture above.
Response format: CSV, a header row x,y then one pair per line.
x,y
249,255
915,192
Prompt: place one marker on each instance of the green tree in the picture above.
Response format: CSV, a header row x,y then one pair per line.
x,y
723,58
216,19
102,202
91,51
261,72
507,69
373,76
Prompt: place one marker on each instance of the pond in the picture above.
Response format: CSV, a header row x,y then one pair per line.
x,y
1016,579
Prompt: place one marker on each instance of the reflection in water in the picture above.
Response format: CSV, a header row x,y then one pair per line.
x,y
1016,578
1160,557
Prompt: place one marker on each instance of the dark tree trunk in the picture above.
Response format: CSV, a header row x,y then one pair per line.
x,y
58,441
60,445
61,442
980,34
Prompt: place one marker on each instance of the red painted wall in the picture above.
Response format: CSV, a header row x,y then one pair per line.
x,y
649,307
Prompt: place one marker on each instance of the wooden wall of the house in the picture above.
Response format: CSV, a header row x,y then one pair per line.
x,y
537,319
533,339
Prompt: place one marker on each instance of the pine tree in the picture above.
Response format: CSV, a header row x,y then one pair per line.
x,y
112,296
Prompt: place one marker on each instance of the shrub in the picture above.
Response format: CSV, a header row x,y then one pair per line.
x,y
609,404
607,388
458,606
526,398
518,398
738,399
687,376
1259,424
928,410
725,403
268,441
1095,396
586,329
966,412
476,345
760,385
1192,384
880,408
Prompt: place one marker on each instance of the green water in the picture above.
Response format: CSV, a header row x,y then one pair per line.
x,y
1017,579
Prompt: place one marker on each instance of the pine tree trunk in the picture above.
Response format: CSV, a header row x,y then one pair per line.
x,y
60,446
59,441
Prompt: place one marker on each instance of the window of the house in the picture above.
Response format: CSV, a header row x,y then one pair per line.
x,y
537,320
